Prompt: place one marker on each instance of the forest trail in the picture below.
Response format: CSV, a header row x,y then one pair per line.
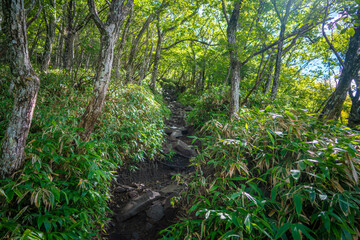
x,y
142,200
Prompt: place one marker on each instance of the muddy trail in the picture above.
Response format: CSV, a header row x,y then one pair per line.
x,y
142,200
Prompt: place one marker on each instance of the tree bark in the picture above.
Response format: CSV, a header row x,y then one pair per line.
x,y
234,61
50,37
146,60
156,60
283,21
121,46
109,34
354,116
333,106
26,83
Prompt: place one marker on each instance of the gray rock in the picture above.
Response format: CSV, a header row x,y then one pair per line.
x,y
183,149
137,205
172,188
170,130
176,134
155,212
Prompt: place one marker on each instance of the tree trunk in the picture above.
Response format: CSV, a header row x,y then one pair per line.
x,y
122,45
283,21
134,49
50,36
156,60
275,85
26,83
109,34
234,61
69,50
146,59
269,77
334,105
354,116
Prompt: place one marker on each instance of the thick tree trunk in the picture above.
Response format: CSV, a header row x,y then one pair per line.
x,y
50,36
234,61
156,61
269,77
27,85
334,105
109,34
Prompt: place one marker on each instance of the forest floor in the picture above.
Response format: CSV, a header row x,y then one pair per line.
x,y
142,199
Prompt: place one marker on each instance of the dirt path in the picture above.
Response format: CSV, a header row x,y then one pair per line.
x,y
142,200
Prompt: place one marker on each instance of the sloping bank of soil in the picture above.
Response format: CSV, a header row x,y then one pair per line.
x,y
142,200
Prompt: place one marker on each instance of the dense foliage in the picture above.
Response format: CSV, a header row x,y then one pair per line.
x,y
273,174
62,190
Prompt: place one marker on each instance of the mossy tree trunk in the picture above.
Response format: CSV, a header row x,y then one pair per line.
x,y
26,84
109,35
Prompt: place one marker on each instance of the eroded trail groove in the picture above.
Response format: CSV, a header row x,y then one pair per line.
x,y
142,199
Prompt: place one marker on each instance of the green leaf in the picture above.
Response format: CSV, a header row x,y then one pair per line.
x,y
282,230
247,222
298,204
352,32
271,137
295,233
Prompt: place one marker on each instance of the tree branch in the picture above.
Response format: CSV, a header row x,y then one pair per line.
x,y
95,16
224,11
301,30
327,39
35,16
186,40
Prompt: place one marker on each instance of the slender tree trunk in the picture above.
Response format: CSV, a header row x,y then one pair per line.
x,y
275,85
60,47
146,60
156,60
121,46
109,34
26,83
283,21
269,77
134,49
234,61
35,41
69,50
50,37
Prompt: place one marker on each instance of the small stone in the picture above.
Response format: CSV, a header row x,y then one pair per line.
x,y
120,190
155,212
176,134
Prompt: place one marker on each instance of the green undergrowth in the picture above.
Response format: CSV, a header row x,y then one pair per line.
x,y
63,188
273,174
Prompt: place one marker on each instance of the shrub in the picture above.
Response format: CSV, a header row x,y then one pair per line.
x,y
211,104
273,175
